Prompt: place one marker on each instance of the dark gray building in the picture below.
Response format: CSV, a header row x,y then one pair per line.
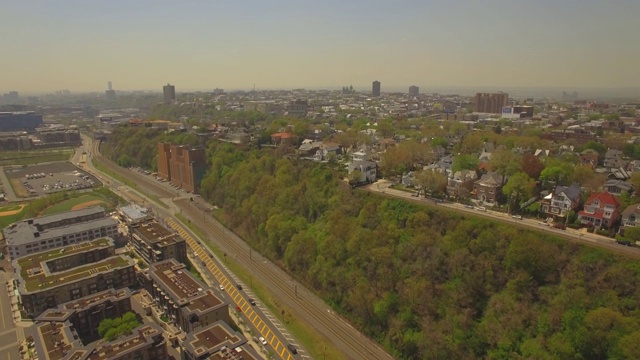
x,y
376,88
20,121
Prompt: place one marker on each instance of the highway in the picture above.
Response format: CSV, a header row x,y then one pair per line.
x,y
303,305
382,187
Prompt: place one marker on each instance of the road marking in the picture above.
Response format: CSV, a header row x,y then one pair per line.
x,y
222,279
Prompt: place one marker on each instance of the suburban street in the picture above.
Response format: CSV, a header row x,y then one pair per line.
x,y
383,187
10,333
302,304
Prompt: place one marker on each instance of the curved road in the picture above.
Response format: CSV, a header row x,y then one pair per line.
x,y
304,305
383,188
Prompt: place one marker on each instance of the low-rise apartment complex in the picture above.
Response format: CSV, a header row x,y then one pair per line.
x,y
216,341
185,300
47,279
154,242
85,314
49,232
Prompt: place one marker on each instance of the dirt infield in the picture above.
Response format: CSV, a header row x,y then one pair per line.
x,y
12,212
87,204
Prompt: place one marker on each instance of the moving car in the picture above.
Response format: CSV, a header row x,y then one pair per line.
x,y
517,217
221,287
292,349
262,341
252,302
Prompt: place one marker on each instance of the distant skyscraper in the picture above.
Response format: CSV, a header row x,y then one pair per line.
x,y
376,88
12,97
169,92
414,90
491,102
110,93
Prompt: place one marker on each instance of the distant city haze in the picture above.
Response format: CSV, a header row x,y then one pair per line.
x,y
200,45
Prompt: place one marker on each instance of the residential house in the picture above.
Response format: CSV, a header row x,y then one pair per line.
x,y
589,158
631,216
438,151
283,138
617,187
461,183
368,170
386,143
619,174
634,165
327,150
488,188
443,165
542,153
309,148
613,159
561,201
601,209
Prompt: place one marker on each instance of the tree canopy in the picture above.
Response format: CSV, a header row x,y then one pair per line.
x,y
111,329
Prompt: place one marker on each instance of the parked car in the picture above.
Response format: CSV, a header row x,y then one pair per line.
x,y
560,226
292,349
481,208
262,341
469,206
252,302
239,287
517,217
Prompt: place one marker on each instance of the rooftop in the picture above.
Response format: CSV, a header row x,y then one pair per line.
x,y
206,301
55,341
25,233
35,260
90,300
176,280
141,337
154,233
212,338
34,279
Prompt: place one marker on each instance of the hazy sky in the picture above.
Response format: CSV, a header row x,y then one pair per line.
x,y
81,44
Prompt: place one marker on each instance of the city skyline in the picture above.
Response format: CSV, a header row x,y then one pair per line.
x,y
303,44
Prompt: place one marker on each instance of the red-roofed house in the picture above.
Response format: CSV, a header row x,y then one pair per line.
x,y
283,138
601,209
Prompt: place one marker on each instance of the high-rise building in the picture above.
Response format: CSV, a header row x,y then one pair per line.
x,y
182,165
109,86
491,102
169,92
414,90
12,97
110,93
376,88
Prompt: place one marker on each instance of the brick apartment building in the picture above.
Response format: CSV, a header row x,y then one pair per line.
x,y
182,165
491,102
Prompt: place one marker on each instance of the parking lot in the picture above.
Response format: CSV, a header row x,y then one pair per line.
x,y
49,178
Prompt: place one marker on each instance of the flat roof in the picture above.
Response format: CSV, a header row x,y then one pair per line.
x,y
34,260
211,339
134,212
154,233
45,220
141,337
173,277
207,301
24,233
97,298
41,281
54,341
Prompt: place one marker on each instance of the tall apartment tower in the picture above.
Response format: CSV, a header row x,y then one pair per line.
x,y
110,93
491,102
375,88
169,92
182,165
414,90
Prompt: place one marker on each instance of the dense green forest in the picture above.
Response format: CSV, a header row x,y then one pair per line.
x,y
425,282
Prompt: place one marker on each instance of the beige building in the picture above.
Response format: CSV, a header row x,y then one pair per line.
x,y
49,232
184,299
154,242
57,276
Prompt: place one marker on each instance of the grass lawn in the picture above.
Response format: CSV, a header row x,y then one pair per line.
x,y
10,208
317,345
10,219
67,205
34,156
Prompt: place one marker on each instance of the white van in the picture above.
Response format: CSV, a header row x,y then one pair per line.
x,y
481,208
